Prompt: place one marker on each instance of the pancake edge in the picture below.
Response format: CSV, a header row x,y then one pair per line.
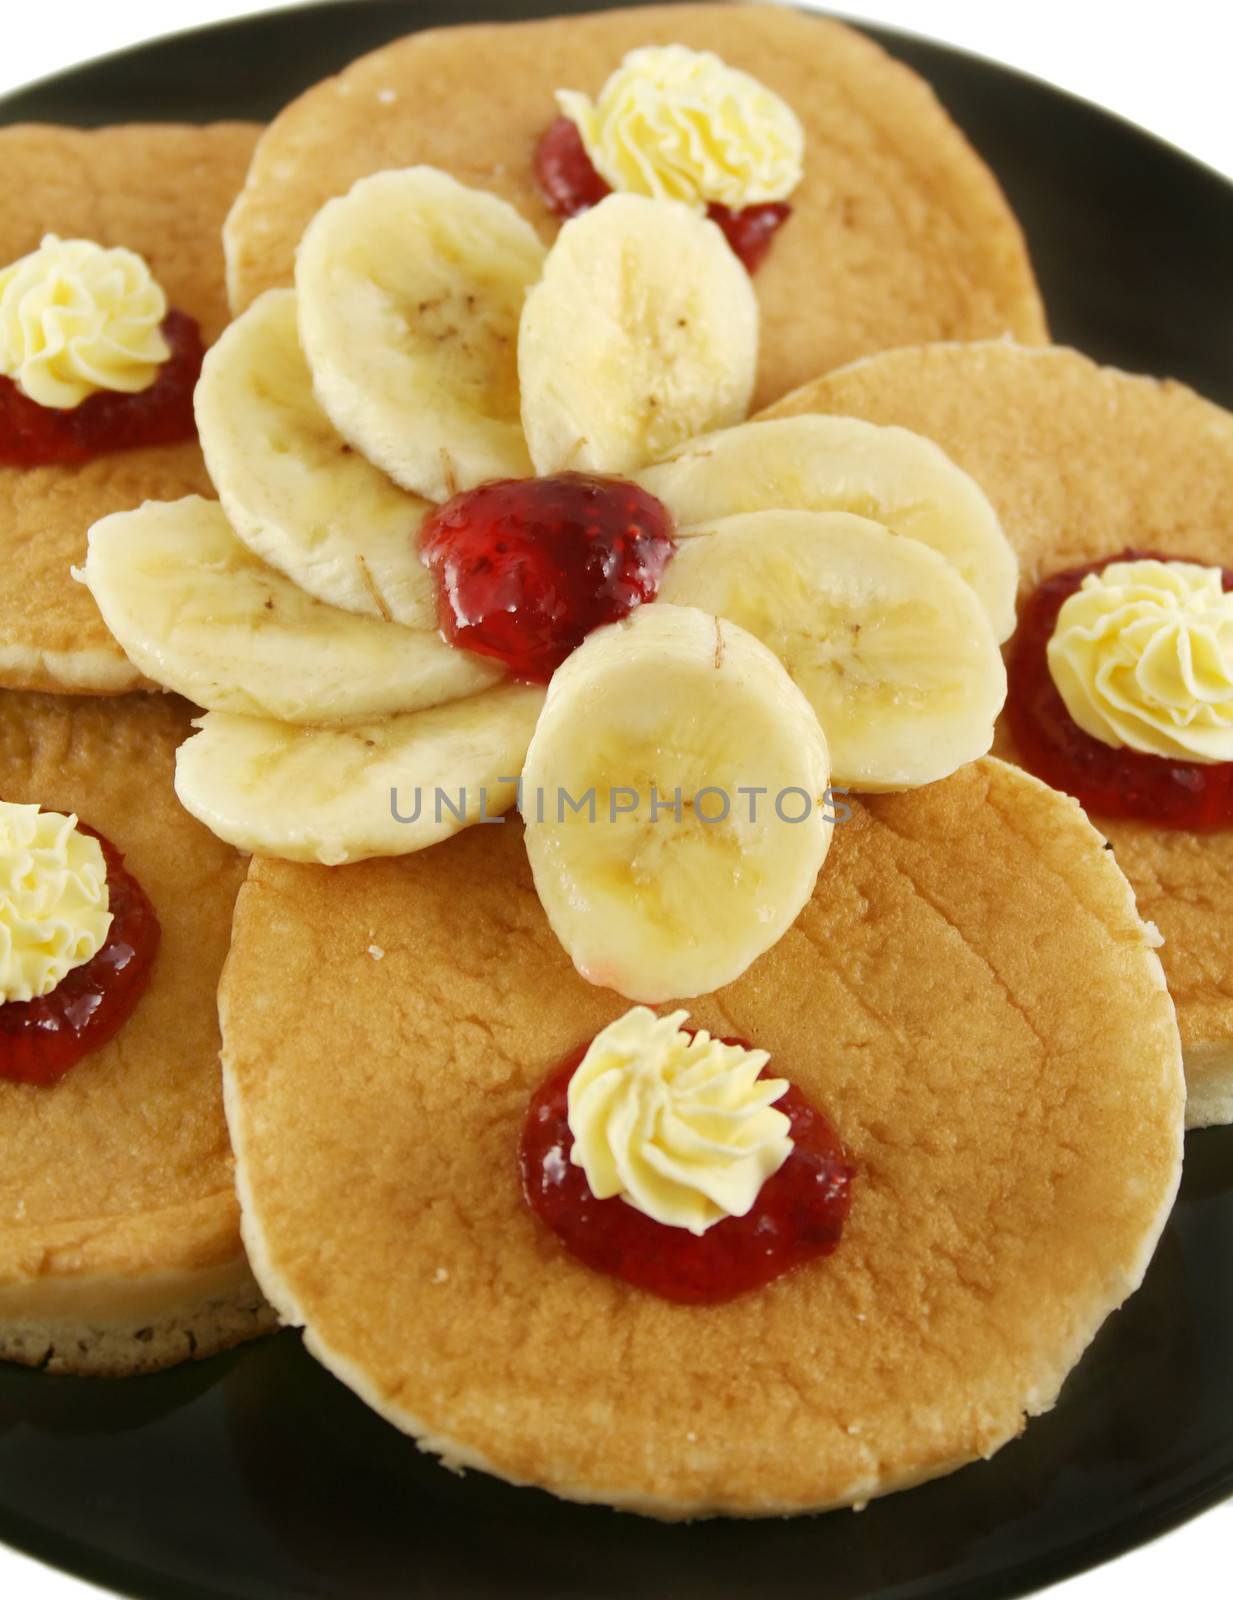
x,y
458,1457
97,1326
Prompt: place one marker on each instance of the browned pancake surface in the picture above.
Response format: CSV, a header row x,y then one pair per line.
x,y
162,191
1017,1137
121,1173
899,233
1082,462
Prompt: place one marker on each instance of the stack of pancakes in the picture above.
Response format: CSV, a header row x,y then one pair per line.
x,y
972,995
119,1231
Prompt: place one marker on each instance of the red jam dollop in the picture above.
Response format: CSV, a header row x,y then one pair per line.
x,y
750,230
565,174
40,1040
569,183
32,435
798,1216
1106,781
527,567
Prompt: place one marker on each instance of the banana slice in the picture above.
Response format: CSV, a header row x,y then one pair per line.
x,y
381,789
893,650
196,611
655,900
817,463
642,332
410,288
297,495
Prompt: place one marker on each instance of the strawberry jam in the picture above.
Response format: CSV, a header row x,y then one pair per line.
x,y
32,435
569,183
799,1214
527,567
1107,781
41,1039
750,230
565,174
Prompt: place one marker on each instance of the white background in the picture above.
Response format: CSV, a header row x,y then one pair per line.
x,y
1165,66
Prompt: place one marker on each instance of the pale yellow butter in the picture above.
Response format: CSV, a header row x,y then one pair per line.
x,y
682,1128
1142,656
680,124
76,319
53,899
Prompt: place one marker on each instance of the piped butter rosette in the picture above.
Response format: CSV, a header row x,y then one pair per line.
x,y
53,900
431,345
682,1126
679,124
1142,656
77,319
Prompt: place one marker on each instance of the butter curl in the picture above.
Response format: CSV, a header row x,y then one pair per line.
x,y
678,124
681,1126
1142,656
76,319
53,899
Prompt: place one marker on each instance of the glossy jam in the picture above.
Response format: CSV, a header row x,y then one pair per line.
x,y
527,567
751,230
40,1040
798,1216
570,184
563,170
32,435
1107,781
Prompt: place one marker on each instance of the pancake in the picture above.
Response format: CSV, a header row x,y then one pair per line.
x,y
1083,462
162,191
899,232
1017,1138
119,1240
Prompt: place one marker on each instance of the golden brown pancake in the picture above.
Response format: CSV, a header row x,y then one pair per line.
x,y
1082,462
899,232
1016,1131
162,191
119,1240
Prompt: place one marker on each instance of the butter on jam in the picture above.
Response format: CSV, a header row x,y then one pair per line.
x,y
91,359
77,942
682,1126
77,319
679,124
53,900
1142,655
1126,654
667,1158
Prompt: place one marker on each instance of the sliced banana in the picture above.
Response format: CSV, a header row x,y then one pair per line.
x,y
642,332
655,901
893,650
410,288
383,788
294,491
196,611
819,463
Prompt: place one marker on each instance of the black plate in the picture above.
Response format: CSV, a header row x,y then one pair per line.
x,y
256,1475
